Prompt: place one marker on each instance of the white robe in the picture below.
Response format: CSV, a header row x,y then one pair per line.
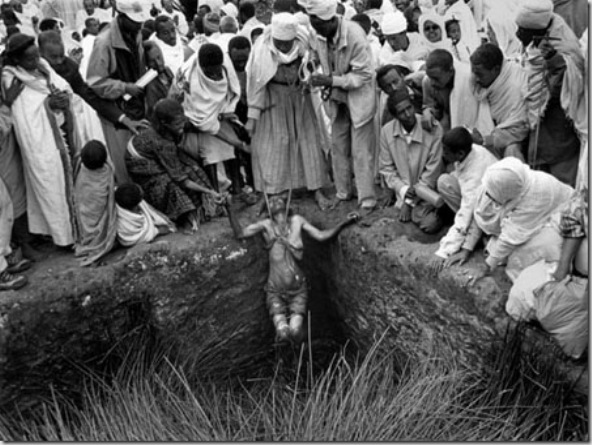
x,y
48,201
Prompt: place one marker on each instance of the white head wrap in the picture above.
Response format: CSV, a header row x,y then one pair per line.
x,y
284,26
230,10
393,23
323,9
534,14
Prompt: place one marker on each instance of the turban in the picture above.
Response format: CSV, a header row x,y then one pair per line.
x,y
393,23
211,22
230,10
284,26
534,14
323,9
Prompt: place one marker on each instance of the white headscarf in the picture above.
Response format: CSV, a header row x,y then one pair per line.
x,y
393,23
433,17
323,9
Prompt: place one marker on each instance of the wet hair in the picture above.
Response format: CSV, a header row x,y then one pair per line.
x,y
277,204
383,70
458,139
129,195
149,24
374,4
103,25
16,46
161,20
8,15
398,96
364,21
47,24
439,58
488,56
239,42
210,54
93,155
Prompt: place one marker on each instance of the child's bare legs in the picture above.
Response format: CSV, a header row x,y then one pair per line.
x,y
282,329
296,330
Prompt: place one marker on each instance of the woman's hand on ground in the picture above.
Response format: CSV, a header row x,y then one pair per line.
x,y
459,258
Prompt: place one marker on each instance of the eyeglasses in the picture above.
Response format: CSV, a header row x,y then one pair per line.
x,y
431,28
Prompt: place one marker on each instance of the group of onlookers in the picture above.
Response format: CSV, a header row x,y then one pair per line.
x,y
126,119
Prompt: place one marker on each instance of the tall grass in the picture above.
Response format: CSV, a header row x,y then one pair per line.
x,y
517,396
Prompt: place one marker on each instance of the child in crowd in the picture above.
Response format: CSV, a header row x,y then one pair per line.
x,y
137,221
460,51
94,191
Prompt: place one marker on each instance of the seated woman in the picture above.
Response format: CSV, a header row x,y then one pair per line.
x,y
137,221
515,207
172,181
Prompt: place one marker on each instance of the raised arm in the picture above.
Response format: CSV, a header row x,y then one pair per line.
x,y
239,231
324,235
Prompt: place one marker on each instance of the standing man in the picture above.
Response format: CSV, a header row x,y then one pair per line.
x,y
555,100
348,82
177,16
116,63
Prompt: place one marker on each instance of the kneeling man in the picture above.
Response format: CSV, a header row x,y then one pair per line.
x,y
411,162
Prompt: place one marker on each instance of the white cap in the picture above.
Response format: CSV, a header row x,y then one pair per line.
x,y
132,9
393,23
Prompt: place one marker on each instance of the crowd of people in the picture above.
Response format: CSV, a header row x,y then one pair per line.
x,y
126,119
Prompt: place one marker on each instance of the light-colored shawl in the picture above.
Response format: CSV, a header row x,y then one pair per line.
x,y
94,191
264,61
505,97
137,228
465,109
204,98
514,201
501,21
174,56
572,91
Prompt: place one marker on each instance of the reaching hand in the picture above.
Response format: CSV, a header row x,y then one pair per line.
x,y
410,194
133,90
135,126
459,258
353,217
250,126
405,215
427,120
11,93
59,100
481,272
436,265
477,137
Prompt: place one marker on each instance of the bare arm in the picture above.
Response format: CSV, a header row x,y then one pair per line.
x,y
324,235
239,231
568,253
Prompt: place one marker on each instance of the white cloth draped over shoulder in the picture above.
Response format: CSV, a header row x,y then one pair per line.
x,y
501,21
46,161
268,58
205,98
505,99
465,109
174,56
515,202
137,228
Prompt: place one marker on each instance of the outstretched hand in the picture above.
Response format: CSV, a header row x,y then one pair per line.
x,y
353,217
